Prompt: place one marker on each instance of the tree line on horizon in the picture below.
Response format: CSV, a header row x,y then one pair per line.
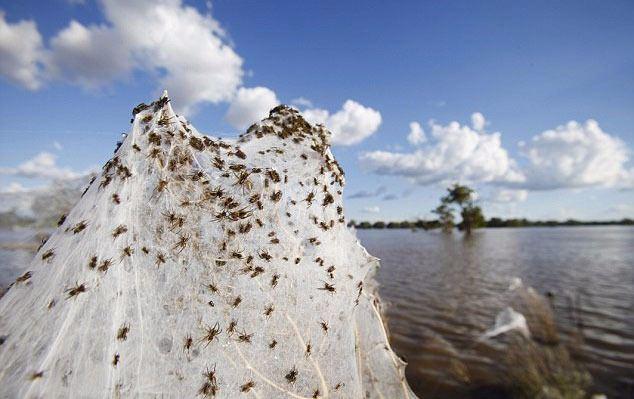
x,y
461,199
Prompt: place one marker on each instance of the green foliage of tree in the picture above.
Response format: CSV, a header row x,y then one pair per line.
x,y
445,216
464,198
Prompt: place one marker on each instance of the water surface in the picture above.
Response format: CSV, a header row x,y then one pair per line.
x,y
443,292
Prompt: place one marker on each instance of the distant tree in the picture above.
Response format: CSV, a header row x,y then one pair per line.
x,y
472,218
464,198
378,225
364,225
445,215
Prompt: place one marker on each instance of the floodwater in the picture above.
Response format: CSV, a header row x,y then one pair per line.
x,y
441,293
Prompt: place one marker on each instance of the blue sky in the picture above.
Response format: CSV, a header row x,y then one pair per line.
x,y
67,90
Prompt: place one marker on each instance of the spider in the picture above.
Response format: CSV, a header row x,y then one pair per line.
x,y
247,386
76,290
122,334
291,377
328,287
211,332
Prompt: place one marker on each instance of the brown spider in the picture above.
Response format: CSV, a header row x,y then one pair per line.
x,y
276,196
244,337
119,230
211,332
160,259
328,287
105,265
257,271
269,310
240,154
48,255
76,290
266,256
274,280
127,251
232,327
309,198
273,344
328,199
309,349
237,301
210,374
106,180
23,277
116,199
247,386
188,342
273,175
122,334
291,377
181,243
324,326
79,227
35,376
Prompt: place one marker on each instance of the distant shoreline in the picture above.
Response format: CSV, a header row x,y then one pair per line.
x,y
491,223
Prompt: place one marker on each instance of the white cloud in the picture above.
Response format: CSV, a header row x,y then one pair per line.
x,y
250,105
456,153
43,166
14,188
576,155
185,50
371,209
508,196
21,52
302,102
350,125
416,134
89,56
478,121
57,146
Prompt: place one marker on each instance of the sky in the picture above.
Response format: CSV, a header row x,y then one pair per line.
x,y
531,103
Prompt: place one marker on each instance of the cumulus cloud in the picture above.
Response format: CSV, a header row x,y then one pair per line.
x,y
371,209
416,134
187,51
576,155
250,105
573,155
14,188
42,166
350,125
478,121
88,56
21,53
302,102
455,153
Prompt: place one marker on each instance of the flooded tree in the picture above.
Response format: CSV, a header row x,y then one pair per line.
x,y
464,198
